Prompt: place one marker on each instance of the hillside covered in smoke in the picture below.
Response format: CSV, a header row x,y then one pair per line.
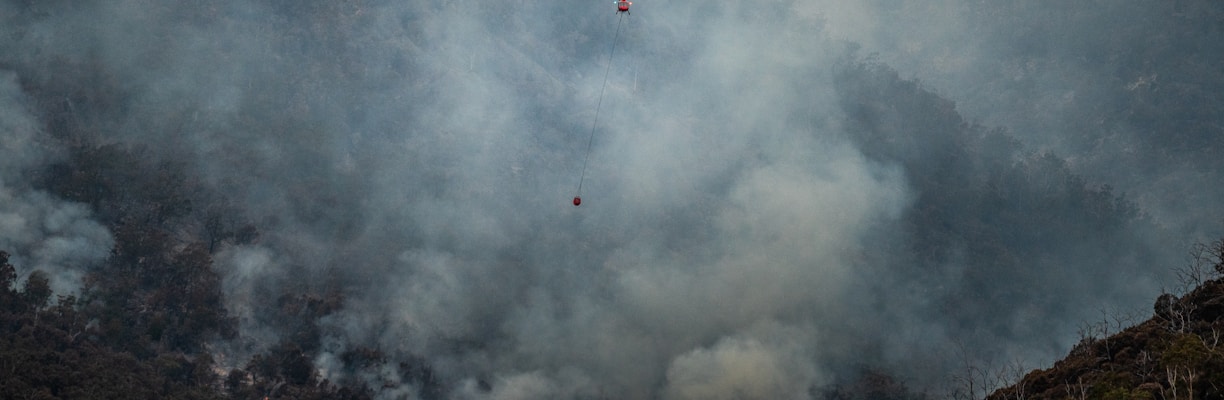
x,y
786,199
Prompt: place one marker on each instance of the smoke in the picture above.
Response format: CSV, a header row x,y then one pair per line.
x,y
735,240
735,367
40,231
1121,90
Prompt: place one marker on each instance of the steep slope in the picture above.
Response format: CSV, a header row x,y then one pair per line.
x,y
998,234
1176,354
368,191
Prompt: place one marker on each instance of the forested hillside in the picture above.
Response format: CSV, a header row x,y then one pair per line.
x,y
143,324
1126,92
786,200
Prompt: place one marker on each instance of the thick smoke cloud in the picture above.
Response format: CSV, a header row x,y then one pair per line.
x,y
40,231
1123,90
736,238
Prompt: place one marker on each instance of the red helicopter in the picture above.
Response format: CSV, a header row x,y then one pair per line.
x,y
622,6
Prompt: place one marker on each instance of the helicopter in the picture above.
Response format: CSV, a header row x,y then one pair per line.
x,y
622,6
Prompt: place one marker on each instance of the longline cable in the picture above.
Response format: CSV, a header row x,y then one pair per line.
x,y
591,139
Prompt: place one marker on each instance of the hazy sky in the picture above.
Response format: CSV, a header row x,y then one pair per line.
x,y
420,157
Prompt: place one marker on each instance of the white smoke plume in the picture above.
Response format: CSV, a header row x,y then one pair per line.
x,y
419,157
39,231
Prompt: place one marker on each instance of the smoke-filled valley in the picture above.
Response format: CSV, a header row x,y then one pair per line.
x,y
371,199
